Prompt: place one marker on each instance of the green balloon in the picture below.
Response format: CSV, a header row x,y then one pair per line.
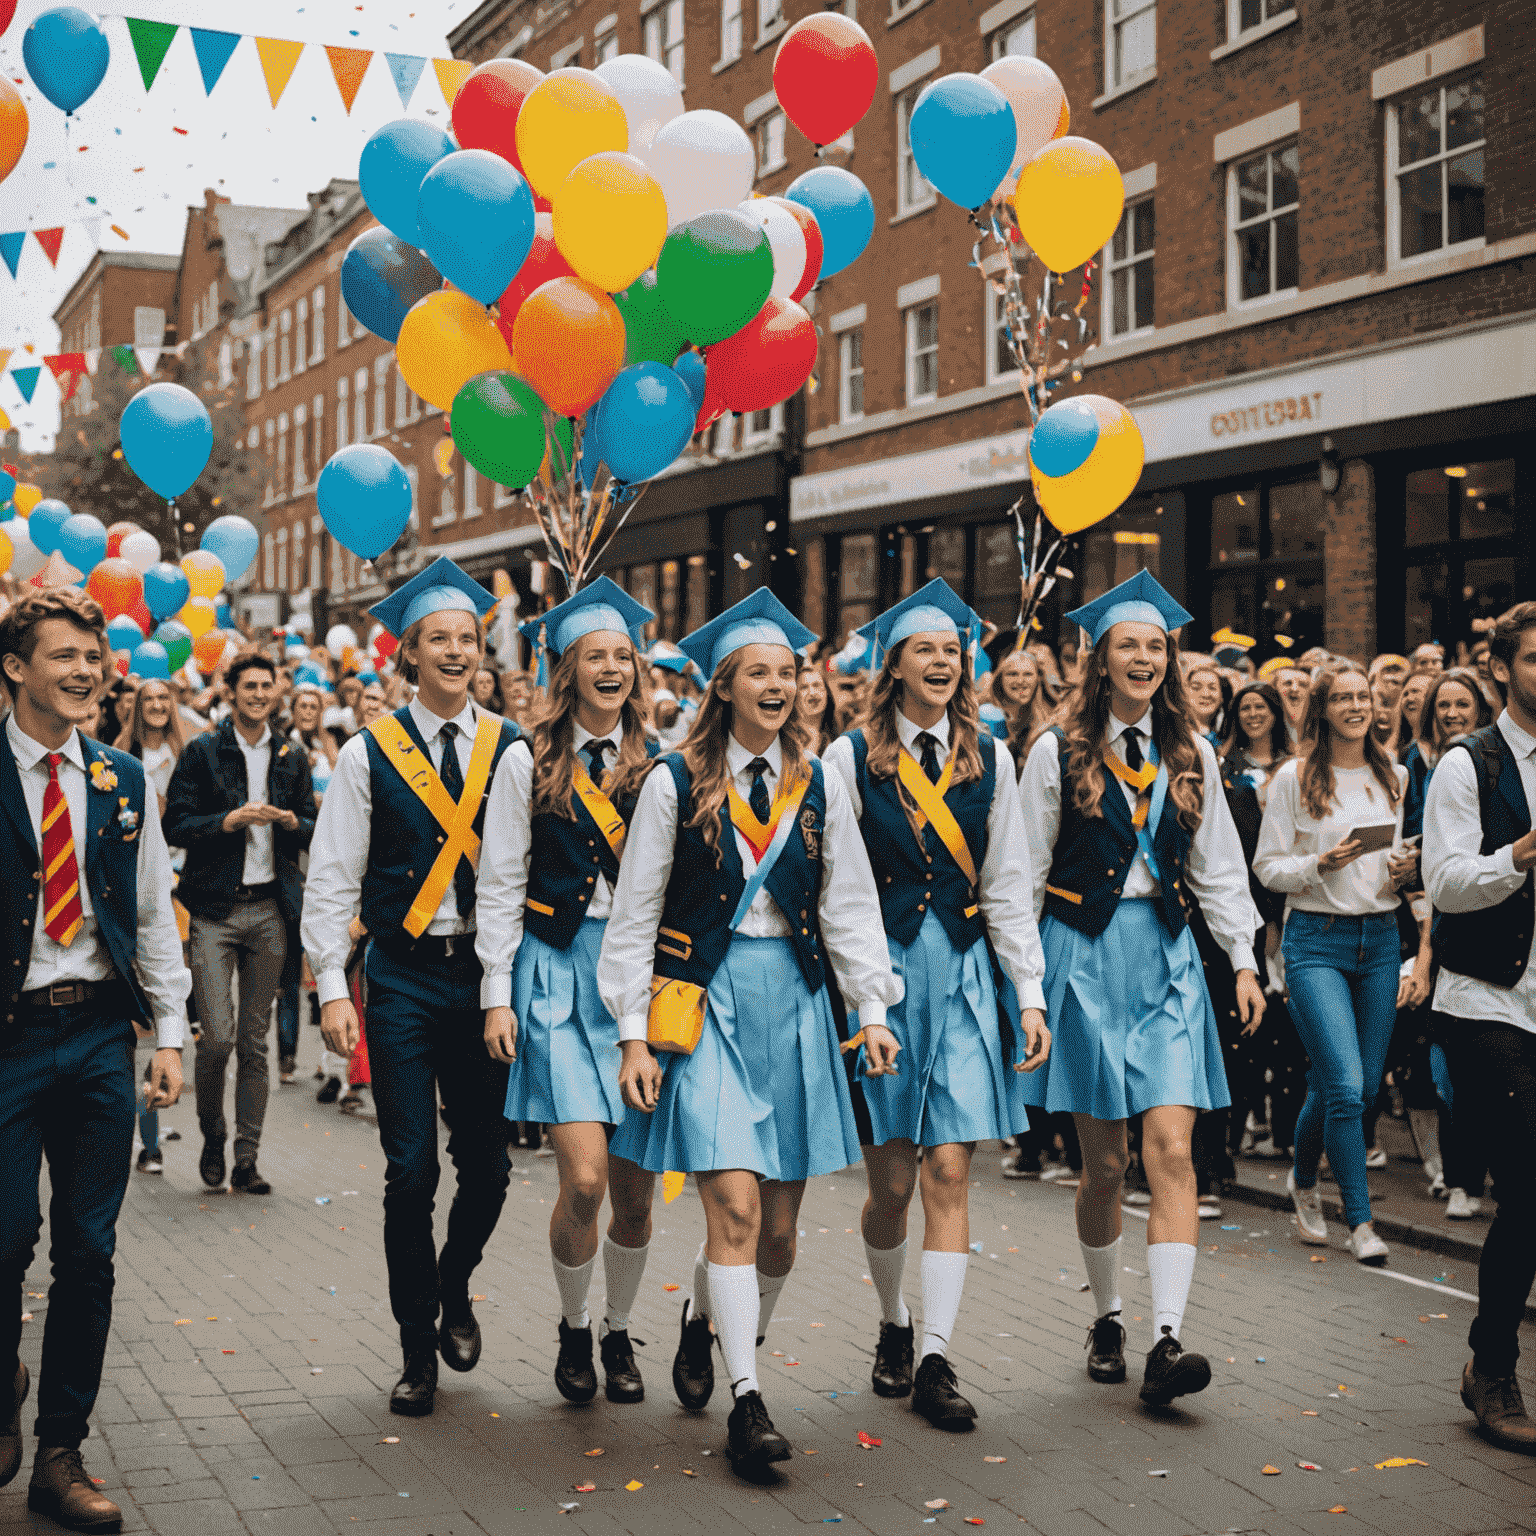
x,y
498,425
715,272
177,640
651,335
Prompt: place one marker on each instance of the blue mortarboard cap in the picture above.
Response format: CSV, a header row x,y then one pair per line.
x,y
442,585
1140,599
993,718
603,605
934,608
760,619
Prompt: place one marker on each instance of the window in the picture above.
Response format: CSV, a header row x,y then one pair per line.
x,y
1128,299
446,511
1130,46
380,386
317,351
770,144
1001,363
472,507
268,561
402,399
301,336
271,436
730,30
1244,16
1435,150
760,426
298,557
211,307
664,37
338,567
850,379
414,476
770,16
342,391
282,454
315,525
360,406
269,346
282,558
317,435
568,57
300,448
1263,194
342,338
226,363
912,189
285,345
1461,531
1016,40
922,353
608,46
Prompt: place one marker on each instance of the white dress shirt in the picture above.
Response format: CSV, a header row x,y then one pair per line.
x,y
502,889
852,932
259,868
1003,889
338,853
1215,868
157,962
1460,877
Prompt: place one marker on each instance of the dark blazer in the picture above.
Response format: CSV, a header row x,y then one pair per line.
x,y
209,783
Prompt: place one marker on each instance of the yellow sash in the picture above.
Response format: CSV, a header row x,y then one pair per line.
x,y
601,809
1141,782
933,809
787,802
457,821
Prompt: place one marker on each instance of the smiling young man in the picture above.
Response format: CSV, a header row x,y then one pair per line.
x,y
398,840
92,959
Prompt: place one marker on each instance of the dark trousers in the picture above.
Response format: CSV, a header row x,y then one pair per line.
x,y
288,996
66,1093
425,1037
1495,1065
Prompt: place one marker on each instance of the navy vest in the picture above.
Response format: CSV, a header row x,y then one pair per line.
x,y
110,848
406,837
1493,944
566,859
1094,855
911,877
701,899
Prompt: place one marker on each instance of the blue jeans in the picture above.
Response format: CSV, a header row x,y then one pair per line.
x,y
288,997
1342,975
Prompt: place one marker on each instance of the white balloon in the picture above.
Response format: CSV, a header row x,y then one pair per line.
x,y
703,160
140,549
649,95
26,558
1038,101
338,637
785,239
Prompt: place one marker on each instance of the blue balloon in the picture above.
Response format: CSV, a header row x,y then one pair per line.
x,y
48,518
475,213
83,541
7,512
690,369
844,210
1063,438
123,633
365,498
7,485
381,277
644,421
390,170
312,672
963,137
67,54
223,614
591,447
365,678
165,590
166,437
234,541
150,659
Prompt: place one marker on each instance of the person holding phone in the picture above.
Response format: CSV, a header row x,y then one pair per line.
x,y
1331,840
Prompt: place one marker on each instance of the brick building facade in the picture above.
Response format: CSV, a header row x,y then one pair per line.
x,y
123,298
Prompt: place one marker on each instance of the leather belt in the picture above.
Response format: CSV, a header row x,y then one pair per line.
x,y
458,947
68,994
262,892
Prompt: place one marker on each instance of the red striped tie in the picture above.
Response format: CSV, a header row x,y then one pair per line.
x,y
63,915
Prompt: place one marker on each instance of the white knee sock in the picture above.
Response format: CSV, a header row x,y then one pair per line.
x,y
623,1270
574,1285
1172,1268
943,1285
701,1306
886,1266
1103,1266
768,1288
733,1295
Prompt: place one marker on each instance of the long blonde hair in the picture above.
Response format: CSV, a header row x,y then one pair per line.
x,y
1316,771
1025,722
131,737
554,757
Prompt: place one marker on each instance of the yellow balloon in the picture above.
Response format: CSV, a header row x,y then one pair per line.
x,y
610,219
199,615
445,340
1100,484
25,497
204,572
7,552
566,117
1068,201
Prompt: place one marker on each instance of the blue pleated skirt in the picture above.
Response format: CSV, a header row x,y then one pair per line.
x,y
764,1088
952,1083
1131,1020
567,1066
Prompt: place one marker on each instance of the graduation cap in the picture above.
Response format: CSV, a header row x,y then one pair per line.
x,y
441,586
1140,600
603,605
760,619
930,609
1228,647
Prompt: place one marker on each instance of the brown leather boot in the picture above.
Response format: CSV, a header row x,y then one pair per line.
x,y
1500,1410
62,1490
10,1429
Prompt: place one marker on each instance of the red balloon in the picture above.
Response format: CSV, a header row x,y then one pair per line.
x,y
7,12
543,262
140,614
825,74
813,245
485,110
118,531
117,586
767,360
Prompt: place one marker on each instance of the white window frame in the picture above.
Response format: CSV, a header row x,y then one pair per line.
x,y
605,40
1113,24
771,133
906,99
317,331
753,435
1109,266
281,584
268,562
993,325
360,406
285,346
298,556
660,42
447,509
472,507
402,399
732,27
567,57
317,435
997,39
253,367
413,474
381,394
853,336
1277,14
316,570
1394,231
1235,300
269,346
269,496
910,320
343,411
281,473
301,336
226,363
770,20
342,316
300,448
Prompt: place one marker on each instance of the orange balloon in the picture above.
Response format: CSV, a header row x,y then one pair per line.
x,y
116,584
13,128
569,339
208,648
25,497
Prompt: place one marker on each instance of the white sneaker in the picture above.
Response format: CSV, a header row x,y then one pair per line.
x,y
1437,1189
1366,1246
1137,1197
1266,1148
1210,1209
1310,1221
1462,1206
1375,1158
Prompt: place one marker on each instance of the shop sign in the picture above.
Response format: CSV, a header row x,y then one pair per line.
x,y
1282,411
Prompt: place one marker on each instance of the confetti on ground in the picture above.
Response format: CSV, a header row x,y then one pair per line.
x,y
210,1319
1259,1360
226,1351
595,1451
994,1459
936,1504
868,1440
317,1370
566,1509
27,1317
495,1415
671,1287
689,1472
1309,1413
584,1487
974,1520
390,1440
1318,1258
1309,1466
1338,1509
634,1485
472,1298
1270,1471
181,1322
1161,1472
1400,1461
322,1199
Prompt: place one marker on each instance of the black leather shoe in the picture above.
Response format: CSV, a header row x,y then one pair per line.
x,y
10,1429
574,1376
622,1375
458,1337
892,1374
1172,1373
247,1180
752,1443
414,1392
936,1395
330,1090
1106,1349
1495,1400
693,1366
211,1164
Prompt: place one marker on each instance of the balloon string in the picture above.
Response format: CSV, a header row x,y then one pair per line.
x,y
170,508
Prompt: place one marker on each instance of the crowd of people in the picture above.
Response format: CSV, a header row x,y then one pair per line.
x,y
1131,912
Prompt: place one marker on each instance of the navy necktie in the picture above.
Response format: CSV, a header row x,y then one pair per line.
x,y
453,781
929,762
758,799
594,751
1133,758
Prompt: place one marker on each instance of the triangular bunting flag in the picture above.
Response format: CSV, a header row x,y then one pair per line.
x,y
279,59
406,68
213,50
5,357
68,368
50,240
5,422
151,39
451,75
149,359
10,248
123,357
26,381
93,361
348,66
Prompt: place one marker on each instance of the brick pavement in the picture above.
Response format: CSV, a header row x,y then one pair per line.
x,y
253,1347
